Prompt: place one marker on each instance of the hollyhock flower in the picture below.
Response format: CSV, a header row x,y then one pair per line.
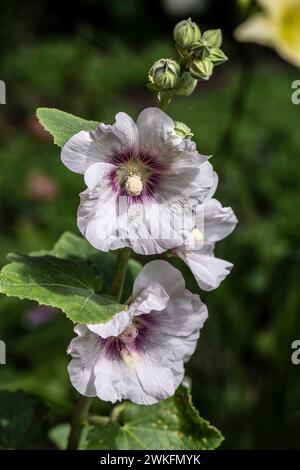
x,y
277,26
140,354
216,223
135,173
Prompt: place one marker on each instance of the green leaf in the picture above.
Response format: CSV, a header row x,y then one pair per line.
x,y
73,276
70,246
171,424
22,420
71,285
62,126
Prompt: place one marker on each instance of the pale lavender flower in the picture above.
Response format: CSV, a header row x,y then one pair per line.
x,y
140,354
208,270
131,165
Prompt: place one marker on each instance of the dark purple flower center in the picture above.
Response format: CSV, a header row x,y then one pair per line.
x,y
137,175
135,338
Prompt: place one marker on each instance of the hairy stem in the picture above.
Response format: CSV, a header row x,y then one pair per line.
x,y
84,403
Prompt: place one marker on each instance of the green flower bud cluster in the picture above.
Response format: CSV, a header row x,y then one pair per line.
x,y
166,77
198,52
201,52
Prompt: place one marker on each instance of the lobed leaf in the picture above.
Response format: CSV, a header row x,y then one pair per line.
x,y
171,424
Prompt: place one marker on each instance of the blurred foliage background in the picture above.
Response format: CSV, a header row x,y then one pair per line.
x,y
92,60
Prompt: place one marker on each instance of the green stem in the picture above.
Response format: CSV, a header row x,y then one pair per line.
x,y
79,417
164,100
84,403
120,273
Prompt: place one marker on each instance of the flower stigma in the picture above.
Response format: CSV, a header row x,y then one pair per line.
x,y
134,184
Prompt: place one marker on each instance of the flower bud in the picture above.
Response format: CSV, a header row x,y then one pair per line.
x,y
213,37
217,56
186,32
201,69
200,49
164,74
185,85
182,130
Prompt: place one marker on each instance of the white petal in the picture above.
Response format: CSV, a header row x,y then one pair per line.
x,y
153,228
157,133
80,152
178,329
163,273
188,180
126,129
86,148
153,297
153,125
213,188
97,218
109,222
219,221
209,271
84,356
157,381
136,379
97,174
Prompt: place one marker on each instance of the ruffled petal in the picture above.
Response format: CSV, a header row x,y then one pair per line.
x,y
162,272
153,297
83,350
80,152
157,133
208,271
98,219
97,174
188,180
178,330
109,222
86,148
219,221
136,378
